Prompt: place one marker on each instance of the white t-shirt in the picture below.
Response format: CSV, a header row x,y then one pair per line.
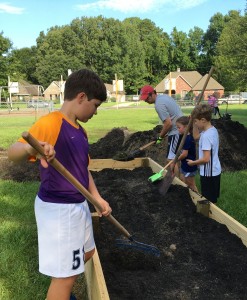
x,y
209,140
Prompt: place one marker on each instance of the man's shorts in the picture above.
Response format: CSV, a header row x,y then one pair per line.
x,y
64,234
188,174
173,144
210,187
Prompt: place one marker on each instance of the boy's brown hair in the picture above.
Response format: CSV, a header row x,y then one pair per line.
x,y
202,111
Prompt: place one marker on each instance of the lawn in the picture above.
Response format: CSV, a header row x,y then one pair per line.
x,y
19,277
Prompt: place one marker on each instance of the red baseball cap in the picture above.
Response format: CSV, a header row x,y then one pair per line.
x,y
145,91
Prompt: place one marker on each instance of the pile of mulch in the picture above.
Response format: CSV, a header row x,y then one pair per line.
x,y
232,150
199,258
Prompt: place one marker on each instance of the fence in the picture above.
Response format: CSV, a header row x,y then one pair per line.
x,y
27,107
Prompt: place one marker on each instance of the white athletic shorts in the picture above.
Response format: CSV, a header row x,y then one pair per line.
x,y
65,233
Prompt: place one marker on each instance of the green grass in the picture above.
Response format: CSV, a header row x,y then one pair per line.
x,y
19,276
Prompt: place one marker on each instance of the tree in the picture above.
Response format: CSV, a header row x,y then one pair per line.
x,y
212,35
5,46
57,52
179,52
23,62
195,48
231,54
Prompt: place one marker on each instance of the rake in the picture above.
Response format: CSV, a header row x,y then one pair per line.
x,y
130,242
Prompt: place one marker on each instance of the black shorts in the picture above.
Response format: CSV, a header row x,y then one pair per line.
x,y
210,187
173,144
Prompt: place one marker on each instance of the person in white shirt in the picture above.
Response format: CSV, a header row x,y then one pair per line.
x,y
208,160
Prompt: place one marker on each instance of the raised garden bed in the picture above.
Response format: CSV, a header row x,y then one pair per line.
x,y
200,258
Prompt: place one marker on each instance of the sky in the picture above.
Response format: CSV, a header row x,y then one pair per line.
x,y
22,20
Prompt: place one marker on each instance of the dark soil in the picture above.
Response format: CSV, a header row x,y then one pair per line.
x,y
200,258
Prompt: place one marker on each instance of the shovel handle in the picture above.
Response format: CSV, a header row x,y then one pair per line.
x,y
166,166
64,172
147,145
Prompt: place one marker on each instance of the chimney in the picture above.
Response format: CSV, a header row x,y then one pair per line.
x,y
178,69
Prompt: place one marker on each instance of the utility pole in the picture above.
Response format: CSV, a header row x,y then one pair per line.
x,y
116,83
170,84
10,98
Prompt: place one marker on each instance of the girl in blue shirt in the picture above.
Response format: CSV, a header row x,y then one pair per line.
x,y
187,173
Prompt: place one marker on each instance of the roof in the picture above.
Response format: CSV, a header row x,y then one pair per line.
x,y
109,87
212,84
26,88
193,78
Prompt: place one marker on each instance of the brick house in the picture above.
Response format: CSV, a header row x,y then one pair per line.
x,y
183,82
55,91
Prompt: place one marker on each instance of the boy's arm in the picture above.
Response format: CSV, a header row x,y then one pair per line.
x,y
20,151
95,193
200,161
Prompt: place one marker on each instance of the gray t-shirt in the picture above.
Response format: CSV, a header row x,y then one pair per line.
x,y
166,107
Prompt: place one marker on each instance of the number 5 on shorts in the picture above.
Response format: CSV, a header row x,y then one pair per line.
x,y
76,259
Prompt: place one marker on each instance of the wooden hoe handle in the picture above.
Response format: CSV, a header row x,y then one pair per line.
x,y
64,172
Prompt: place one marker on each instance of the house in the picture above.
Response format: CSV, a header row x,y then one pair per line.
x,y
55,91
26,91
183,82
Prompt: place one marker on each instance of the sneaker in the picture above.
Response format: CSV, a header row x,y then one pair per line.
x,y
72,297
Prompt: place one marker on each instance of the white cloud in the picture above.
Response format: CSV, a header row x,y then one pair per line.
x,y
140,6
6,8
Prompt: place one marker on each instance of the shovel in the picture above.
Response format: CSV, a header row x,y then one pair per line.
x,y
159,176
167,180
122,156
64,172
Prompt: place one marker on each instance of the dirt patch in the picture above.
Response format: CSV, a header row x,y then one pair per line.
x,y
200,258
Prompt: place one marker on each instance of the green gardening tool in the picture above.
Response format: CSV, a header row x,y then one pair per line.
x,y
160,175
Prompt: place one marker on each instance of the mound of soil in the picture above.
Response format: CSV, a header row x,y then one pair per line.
x,y
232,151
199,258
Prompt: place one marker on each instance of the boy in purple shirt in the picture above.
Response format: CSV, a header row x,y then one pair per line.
x,y
65,234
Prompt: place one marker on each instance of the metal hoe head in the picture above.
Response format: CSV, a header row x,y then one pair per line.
x,y
166,182
131,243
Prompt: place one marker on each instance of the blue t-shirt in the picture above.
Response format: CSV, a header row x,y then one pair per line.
x,y
189,145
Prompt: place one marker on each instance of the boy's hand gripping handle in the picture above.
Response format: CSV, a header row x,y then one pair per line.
x,y
64,172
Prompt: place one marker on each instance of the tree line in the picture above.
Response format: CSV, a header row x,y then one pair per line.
x,y
135,49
